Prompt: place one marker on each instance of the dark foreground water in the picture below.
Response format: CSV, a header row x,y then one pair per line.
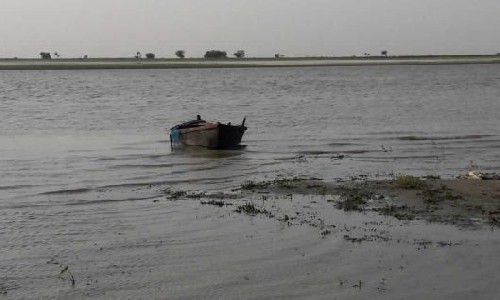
x,y
83,155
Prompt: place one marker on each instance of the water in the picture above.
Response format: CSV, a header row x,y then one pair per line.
x,y
89,130
83,153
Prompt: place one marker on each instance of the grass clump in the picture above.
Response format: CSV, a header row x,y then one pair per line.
x,y
250,209
399,212
409,182
280,182
353,199
174,195
65,274
254,185
218,203
287,183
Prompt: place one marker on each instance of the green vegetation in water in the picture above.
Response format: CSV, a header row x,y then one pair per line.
x,y
254,185
174,195
280,182
325,232
399,212
250,209
353,199
412,138
494,220
219,203
435,196
410,182
199,195
65,274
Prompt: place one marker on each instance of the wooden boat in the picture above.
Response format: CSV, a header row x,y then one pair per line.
x,y
206,134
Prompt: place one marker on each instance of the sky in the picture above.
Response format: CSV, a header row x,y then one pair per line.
x,y
120,28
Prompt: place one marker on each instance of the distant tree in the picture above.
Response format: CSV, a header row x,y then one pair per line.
x,y
277,55
180,53
384,53
56,54
45,55
215,54
239,54
85,56
150,55
138,55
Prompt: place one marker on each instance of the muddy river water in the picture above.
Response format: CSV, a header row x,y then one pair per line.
x,y
85,164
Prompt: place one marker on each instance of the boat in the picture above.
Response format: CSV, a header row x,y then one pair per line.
x,y
207,134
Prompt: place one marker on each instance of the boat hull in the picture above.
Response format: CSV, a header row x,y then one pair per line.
x,y
210,135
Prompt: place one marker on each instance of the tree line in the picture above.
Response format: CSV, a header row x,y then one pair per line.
x,y
211,54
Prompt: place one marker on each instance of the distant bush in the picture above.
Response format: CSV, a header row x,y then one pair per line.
x,y
215,54
180,53
277,55
239,53
383,53
45,55
150,55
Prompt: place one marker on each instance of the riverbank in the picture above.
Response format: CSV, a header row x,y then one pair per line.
x,y
287,237
125,63
461,202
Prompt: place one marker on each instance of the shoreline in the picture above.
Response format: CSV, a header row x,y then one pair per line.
x,y
466,203
125,63
359,238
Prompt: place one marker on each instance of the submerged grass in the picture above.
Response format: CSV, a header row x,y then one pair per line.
x,y
219,203
65,274
409,182
250,209
254,185
175,195
279,182
353,199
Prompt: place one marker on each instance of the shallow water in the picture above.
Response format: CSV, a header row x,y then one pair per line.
x,y
88,130
84,153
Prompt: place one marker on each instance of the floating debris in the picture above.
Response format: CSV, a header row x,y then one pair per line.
x,y
65,274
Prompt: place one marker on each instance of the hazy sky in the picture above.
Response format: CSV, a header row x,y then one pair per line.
x,y
261,27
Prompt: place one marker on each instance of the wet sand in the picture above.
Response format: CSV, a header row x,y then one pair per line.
x,y
114,63
279,238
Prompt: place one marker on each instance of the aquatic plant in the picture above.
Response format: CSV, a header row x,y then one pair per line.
x,y
214,202
279,182
65,274
253,185
325,232
353,199
250,209
409,182
173,195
